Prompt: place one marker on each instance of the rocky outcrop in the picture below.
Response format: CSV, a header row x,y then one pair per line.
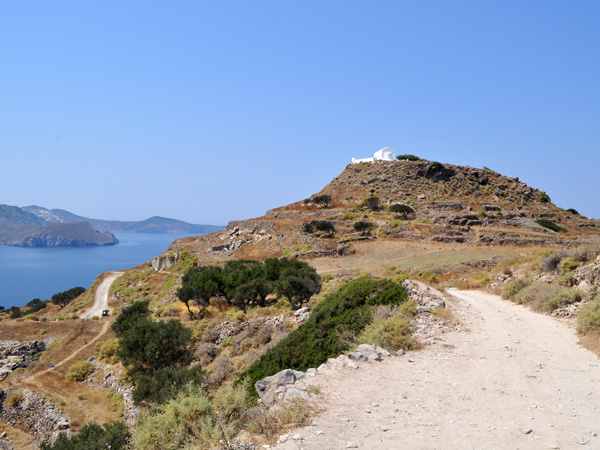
x,y
164,261
34,415
15,354
588,275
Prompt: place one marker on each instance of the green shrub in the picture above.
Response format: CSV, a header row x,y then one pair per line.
x,y
343,313
14,398
573,211
162,384
108,351
551,225
154,344
79,371
371,203
514,287
544,198
398,208
363,227
568,265
562,298
192,420
408,158
114,436
588,319
117,404
392,333
535,294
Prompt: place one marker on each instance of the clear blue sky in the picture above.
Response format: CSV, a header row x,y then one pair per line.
x,y
213,111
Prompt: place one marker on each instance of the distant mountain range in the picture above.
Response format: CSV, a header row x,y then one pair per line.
x,y
35,226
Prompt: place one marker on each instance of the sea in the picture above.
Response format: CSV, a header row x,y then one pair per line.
x,y
28,273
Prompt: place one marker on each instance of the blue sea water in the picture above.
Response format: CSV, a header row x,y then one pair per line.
x,y
28,273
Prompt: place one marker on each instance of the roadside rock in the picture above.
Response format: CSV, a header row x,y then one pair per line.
x,y
273,388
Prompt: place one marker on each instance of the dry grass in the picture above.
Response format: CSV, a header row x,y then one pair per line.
x,y
51,383
591,341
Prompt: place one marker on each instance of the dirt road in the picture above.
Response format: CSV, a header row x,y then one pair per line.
x,y
101,297
508,379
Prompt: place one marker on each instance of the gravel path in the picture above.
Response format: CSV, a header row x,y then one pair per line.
x,y
508,378
101,297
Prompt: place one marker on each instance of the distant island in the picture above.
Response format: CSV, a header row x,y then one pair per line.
x,y
35,226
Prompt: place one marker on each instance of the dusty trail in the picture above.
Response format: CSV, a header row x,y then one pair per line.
x,y
509,379
101,297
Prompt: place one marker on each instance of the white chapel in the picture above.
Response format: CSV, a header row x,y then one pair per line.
x,y
385,154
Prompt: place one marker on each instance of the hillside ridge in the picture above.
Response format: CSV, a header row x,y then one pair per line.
x,y
452,205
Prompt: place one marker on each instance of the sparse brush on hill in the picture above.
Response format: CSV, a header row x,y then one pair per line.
x,y
344,313
551,225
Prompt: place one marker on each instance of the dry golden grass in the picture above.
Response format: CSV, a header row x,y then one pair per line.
x,y
591,341
78,343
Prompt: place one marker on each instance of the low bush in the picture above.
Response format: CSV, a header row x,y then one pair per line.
x,y
108,351
544,198
345,312
588,319
550,262
394,332
514,287
535,294
551,225
14,398
162,384
79,371
114,436
117,404
562,298
192,420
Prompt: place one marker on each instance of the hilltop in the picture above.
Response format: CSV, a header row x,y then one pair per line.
x,y
452,205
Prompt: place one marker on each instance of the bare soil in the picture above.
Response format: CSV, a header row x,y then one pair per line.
x,y
508,378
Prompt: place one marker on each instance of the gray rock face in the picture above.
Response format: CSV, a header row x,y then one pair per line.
x,y
34,415
15,354
273,388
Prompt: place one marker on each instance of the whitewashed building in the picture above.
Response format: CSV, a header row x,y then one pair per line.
x,y
385,154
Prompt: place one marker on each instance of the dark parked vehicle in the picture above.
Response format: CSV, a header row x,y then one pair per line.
x,y
105,313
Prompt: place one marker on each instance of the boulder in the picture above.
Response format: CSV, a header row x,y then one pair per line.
x,y
270,390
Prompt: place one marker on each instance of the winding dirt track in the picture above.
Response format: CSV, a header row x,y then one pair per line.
x,y
508,379
101,297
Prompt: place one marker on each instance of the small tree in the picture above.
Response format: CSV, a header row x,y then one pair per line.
x,y
129,316
398,208
15,312
371,203
62,298
364,227
199,285
322,200
408,158
154,345
296,281
324,226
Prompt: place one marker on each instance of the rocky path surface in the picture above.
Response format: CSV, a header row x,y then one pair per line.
x,y
508,378
101,297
